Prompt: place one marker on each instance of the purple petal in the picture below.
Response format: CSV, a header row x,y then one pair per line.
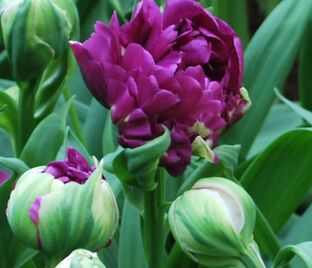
x,y
136,126
161,101
179,153
34,210
196,52
171,61
175,10
137,59
4,176
144,25
92,72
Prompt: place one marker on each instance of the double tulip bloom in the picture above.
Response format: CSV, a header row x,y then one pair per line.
x,y
63,206
180,69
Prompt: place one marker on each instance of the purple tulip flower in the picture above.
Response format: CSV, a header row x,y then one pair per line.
x,y
181,69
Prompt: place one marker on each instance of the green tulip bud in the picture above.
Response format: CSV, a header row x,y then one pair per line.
x,y
35,32
213,223
62,207
81,258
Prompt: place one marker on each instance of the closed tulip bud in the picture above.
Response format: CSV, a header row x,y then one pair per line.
x,y
62,207
81,258
34,33
214,222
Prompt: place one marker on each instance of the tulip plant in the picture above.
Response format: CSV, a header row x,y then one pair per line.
x,y
154,134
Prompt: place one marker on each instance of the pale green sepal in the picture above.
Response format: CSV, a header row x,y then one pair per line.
x,y
67,216
202,149
34,32
31,184
81,258
240,197
137,166
244,94
213,223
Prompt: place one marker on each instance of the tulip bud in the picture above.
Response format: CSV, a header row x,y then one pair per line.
x,y
214,222
81,258
62,207
35,32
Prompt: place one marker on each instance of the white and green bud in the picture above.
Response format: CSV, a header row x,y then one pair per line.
x,y
35,32
59,213
81,258
213,223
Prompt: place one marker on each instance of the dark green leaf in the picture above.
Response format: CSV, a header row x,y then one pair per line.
x,y
130,253
269,57
46,139
279,174
303,251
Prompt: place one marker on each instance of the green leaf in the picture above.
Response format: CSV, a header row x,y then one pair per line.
x,y
46,139
301,230
269,57
303,251
235,12
130,253
228,155
8,113
138,166
305,114
14,164
109,142
95,119
25,257
71,140
279,120
279,174
304,73
4,84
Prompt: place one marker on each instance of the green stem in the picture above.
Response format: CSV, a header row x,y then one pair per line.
x,y
74,117
25,114
153,228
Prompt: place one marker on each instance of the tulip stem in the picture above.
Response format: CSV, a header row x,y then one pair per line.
x,y
154,225
26,114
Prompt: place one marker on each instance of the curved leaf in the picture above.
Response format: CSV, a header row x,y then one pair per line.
x,y
303,251
269,58
282,172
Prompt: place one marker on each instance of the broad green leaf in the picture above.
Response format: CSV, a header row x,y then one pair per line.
x,y
46,139
303,251
269,57
279,174
305,114
71,140
130,253
235,12
301,230
14,164
94,126
228,155
109,254
280,119
4,84
270,5
109,142
304,73
24,259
